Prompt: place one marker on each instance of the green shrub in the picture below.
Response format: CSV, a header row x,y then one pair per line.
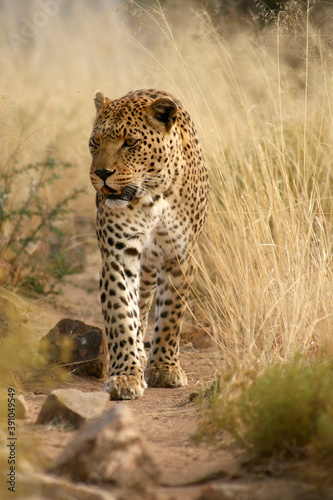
x,y
33,246
287,404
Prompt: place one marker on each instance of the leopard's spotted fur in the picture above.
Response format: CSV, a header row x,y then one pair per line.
x,y
152,198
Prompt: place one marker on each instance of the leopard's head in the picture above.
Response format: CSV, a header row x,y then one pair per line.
x,y
133,145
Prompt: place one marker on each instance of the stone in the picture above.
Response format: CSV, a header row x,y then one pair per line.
x,y
226,492
206,338
10,315
72,407
262,488
110,450
43,486
82,348
21,407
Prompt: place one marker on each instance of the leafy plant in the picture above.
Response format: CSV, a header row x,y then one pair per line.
x,y
32,242
290,403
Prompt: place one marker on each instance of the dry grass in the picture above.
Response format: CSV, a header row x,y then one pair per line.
x,y
262,103
270,231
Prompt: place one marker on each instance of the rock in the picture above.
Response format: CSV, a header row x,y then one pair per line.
x,y
43,486
203,338
226,492
21,407
82,347
110,450
10,315
263,489
207,337
20,410
72,407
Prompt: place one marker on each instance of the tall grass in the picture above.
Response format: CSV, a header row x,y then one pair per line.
x,y
261,98
271,226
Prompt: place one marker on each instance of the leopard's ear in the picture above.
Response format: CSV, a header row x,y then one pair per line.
x,y
99,101
162,113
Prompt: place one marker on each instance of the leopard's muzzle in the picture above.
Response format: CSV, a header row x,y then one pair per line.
x,y
127,193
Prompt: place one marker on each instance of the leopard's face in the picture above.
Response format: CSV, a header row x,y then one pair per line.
x,y
133,144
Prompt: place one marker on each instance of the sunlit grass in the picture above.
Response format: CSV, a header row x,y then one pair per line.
x,y
286,406
262,103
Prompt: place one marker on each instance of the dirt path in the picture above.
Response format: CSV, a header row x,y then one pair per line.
x,y
168,421
167,418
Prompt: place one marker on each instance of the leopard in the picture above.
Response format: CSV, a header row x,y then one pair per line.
x,y
152,198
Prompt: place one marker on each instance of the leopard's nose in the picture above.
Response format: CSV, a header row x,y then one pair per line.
x,y
103,173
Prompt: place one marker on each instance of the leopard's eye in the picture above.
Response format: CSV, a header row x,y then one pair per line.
x,y
94,142
130,142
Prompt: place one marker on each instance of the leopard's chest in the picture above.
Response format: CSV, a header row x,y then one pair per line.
x,y
162,228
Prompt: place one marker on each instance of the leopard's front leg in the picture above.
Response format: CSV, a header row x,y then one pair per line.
x,y
119,286
173,284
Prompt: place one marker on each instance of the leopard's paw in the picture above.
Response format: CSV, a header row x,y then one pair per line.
x,y
124,387
165,376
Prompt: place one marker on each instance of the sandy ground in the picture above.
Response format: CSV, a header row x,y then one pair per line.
x,y
167,418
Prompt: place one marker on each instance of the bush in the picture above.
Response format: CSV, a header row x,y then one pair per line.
x,y
287,404
33,252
